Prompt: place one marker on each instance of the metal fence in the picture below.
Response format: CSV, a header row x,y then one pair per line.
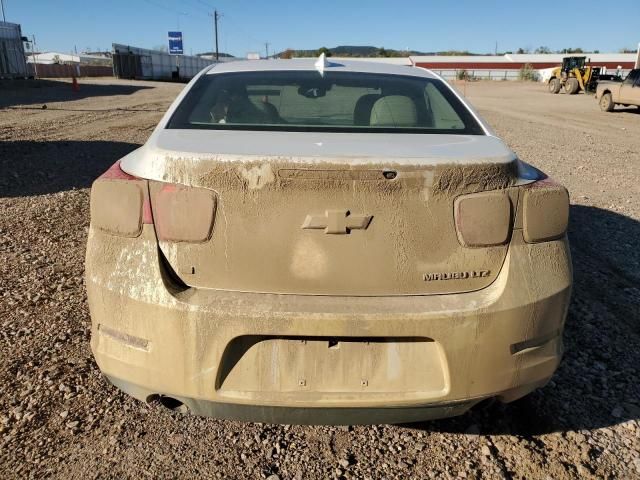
x,y
12,60
144,64
501,74
489,74
53,70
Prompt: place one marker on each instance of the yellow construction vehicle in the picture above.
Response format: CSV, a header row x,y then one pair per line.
x,y
574,76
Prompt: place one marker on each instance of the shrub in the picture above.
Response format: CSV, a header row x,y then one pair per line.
x,y
528,73
462,75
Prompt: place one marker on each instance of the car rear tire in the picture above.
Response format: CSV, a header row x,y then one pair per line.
x,y
606,103
571,86
554,85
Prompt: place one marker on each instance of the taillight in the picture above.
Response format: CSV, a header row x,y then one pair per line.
x,y
181,213
483,219
545,211
120,203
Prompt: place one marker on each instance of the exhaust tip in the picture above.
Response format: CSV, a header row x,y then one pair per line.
x,y
169,403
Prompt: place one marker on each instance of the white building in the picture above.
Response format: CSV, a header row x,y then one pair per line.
x,y
50,58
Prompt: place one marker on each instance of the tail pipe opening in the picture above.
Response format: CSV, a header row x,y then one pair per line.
x,y
168,402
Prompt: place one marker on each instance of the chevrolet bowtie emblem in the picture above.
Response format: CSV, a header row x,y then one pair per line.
x,y
338,222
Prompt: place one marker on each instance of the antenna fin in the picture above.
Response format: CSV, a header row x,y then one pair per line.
x,y
321,64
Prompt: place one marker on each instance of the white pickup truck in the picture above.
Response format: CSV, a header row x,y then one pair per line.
x,y
627,92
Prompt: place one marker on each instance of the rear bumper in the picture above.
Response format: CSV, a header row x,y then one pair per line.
x,y
303,359
294,415
327,416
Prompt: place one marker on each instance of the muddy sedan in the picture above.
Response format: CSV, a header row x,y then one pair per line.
x,y
302,241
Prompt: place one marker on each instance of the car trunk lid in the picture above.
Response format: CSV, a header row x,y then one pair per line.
x,y
301,219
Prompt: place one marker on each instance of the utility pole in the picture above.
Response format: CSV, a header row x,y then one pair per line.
x,y
33,53
266,49
215,28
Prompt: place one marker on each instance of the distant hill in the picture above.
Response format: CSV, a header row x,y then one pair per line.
x,y
365,51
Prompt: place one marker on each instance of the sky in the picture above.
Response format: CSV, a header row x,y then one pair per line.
x,y
245,26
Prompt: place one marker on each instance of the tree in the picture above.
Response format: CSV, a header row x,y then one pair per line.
x,y
325,50
455,53
522,50
543,50
288,53
572,50
383,53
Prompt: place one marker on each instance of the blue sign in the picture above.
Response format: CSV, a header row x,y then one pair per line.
x,y
175,43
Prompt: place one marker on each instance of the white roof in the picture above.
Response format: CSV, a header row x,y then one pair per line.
x,y
390,60
50,57
335,64
557,57
524,58
456,58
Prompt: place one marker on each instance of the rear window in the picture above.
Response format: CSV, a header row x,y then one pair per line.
x,y
337,102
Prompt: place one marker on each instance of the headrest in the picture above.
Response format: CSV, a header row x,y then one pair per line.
x,y
394,111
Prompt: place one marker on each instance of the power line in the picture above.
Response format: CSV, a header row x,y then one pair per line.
x,y
195,11
170,9
192,4
242,30
206,4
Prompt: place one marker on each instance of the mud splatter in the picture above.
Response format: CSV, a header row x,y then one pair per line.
x,y
457,179
257,176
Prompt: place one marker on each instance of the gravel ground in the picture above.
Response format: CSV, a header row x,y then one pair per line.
x,y
59,418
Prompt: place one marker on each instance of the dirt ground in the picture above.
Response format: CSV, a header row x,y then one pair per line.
x,y
59,418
